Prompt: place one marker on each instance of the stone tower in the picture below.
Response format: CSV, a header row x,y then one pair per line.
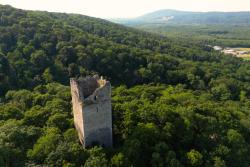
x,y
91,99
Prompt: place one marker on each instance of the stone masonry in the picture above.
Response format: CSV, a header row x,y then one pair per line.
x,y
91,99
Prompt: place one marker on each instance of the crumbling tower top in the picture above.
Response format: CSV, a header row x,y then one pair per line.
x,y
90,84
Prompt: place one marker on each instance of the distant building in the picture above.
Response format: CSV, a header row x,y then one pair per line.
x,y
230,51
91,99
218,48
243,52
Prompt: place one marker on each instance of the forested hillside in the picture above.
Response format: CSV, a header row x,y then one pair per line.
x,y
228,29
175,103
222,35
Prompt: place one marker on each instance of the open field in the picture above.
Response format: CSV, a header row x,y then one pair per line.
x,y
244,49
238,52
244,56
247,58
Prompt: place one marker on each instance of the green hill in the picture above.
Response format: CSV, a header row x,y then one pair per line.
x,y
228,29
190,18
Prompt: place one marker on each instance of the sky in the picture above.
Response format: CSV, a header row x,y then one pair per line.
x,y
127,8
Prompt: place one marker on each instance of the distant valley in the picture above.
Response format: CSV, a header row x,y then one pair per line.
x,y
226,29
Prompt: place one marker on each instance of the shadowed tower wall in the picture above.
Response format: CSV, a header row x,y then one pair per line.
x,y
91,99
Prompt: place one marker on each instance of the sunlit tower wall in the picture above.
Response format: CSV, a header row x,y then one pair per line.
x,y
91,100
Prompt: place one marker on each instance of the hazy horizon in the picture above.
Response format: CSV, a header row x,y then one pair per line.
x,y
129,8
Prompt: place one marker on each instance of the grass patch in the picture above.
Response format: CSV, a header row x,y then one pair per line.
x,y
246,58
244,49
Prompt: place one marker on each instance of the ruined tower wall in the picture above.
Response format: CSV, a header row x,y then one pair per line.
x,y
77,109
91,100
98,118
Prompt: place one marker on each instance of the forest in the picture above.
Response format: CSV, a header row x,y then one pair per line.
x,y
227,29
222,35
175,102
